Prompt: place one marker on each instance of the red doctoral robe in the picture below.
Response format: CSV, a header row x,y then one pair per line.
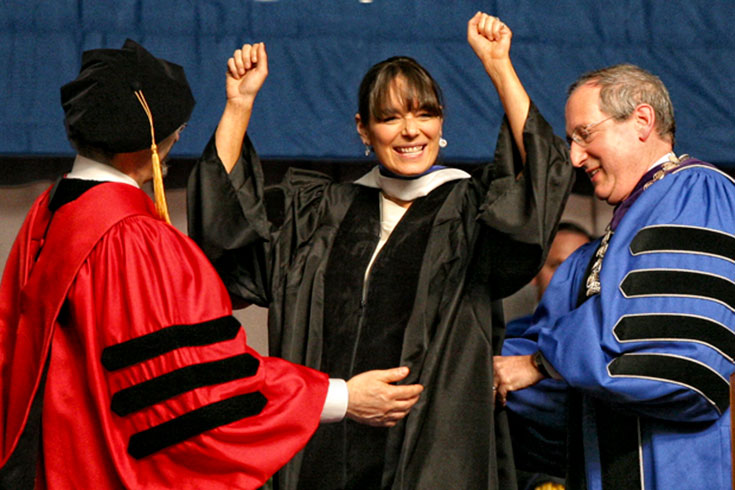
x,y
149,382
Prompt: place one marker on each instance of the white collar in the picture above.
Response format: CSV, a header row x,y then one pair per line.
x,y
87,169
410,189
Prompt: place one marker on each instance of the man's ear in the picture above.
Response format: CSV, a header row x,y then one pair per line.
x,y
645,118
362,130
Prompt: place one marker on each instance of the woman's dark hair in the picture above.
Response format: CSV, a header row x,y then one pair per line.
x,y
419,90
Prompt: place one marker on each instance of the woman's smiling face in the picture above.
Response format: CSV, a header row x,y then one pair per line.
x,y
405,136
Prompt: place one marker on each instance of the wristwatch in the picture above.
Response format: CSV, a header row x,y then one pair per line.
x,y
538,360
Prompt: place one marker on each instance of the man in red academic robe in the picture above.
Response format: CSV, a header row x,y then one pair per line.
x,y
120,362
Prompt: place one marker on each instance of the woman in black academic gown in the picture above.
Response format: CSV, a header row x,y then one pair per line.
x,y
405,266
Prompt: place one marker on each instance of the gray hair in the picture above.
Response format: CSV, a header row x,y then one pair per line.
x,y
623,87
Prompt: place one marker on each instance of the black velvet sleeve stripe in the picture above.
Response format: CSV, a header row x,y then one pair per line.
x,y
662,282
677,370
169,385
167,339
194,423
684,239
657,327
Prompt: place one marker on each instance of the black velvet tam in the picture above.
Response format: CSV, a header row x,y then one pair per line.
x,y
102,110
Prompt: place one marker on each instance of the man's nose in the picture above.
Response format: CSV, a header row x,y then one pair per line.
x,y
577,154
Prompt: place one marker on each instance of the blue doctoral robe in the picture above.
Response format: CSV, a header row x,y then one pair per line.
x,y
649,357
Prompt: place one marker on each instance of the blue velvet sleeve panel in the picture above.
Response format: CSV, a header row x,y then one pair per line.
x,y
538,414
658,339
545,402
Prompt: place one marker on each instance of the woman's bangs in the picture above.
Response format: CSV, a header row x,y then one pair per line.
x,y
413,91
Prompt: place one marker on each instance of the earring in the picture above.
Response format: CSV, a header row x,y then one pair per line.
x,y
442,143
367,150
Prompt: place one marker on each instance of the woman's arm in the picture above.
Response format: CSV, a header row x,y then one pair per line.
x,y
490,39
226,216
247,69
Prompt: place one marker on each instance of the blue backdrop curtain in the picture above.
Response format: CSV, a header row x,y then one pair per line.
x,y
319,49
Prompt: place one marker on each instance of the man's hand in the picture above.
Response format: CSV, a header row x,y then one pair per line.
x,y
513,373
247,69
490,38
373,400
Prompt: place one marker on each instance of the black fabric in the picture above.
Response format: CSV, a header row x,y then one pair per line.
x,y
64,191
364,330
676,327
535,447
576,478
169,385
67,190
354,244
326,457
194,423
167,339
676,370
683,239
679,283
453,437
618,440
101,100
19,472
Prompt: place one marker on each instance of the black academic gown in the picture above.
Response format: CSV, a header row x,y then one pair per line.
x,y
487,237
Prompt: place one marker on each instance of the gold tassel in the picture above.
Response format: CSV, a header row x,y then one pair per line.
x,y
159,195
550,486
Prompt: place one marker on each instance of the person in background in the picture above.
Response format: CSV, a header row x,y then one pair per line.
x,y
406,265
539,448
639,324
569,237
121,364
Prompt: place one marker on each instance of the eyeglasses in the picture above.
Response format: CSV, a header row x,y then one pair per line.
x,y
582,134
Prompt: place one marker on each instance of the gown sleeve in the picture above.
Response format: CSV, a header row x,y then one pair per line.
x,y
538,415
658,339
249,232
521,204
182,399
227,219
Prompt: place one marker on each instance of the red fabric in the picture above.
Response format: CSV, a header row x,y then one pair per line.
x,y
142,275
